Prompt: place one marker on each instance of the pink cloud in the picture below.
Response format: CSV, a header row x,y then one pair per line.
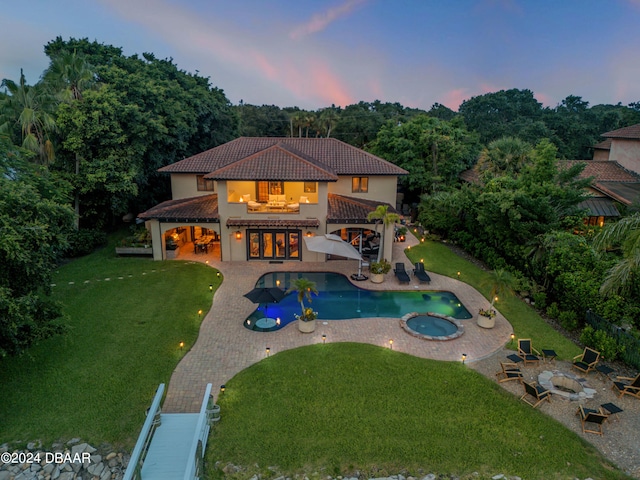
x,y
454,98
320,21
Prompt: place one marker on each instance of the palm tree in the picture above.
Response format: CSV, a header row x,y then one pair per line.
x,y
507,155
328,119
68,76
625,234
29,107
304,288
501,283
381,214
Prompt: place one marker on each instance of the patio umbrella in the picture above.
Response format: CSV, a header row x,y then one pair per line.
x,y
266,295
331,245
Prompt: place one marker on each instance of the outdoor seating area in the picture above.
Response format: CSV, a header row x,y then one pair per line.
x,y
526,352
627,386
535,394
276,203
591,420
586,361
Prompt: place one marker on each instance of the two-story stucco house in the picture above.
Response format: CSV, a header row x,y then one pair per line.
x,y
255,198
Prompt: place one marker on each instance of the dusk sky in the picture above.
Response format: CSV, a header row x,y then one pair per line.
x,y
313,54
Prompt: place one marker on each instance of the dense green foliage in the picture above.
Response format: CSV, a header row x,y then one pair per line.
x,y
338,408
34,222
126,318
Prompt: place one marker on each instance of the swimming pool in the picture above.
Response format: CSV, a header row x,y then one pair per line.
x,y
339,299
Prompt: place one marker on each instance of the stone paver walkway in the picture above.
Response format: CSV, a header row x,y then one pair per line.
x,y
224,347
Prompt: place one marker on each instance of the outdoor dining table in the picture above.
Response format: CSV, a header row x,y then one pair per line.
x,y
202,243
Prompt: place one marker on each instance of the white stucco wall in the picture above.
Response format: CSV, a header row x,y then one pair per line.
x,y
381,188
626,153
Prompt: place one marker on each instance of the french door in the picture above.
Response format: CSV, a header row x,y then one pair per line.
x,y
273,244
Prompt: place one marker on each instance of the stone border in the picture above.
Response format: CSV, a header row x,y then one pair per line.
x,y
545,379
410,331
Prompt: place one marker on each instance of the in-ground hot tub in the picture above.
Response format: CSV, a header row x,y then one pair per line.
x,y
431,326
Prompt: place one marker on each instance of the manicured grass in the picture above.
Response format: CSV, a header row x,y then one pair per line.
x,y
341,407
126,324
525,320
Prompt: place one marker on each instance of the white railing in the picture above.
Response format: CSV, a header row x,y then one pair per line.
x,y
142,445
199,443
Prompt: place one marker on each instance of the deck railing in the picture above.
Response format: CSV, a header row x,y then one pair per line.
x,y
199,443
146,434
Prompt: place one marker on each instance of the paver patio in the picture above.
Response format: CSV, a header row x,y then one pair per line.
x,y
225,347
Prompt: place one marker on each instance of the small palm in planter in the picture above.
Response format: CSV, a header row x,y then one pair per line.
x,y
501,283
304,288
379,270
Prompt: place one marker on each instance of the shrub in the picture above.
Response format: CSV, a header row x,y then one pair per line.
x,y
602,342
553,310
540,300
383,266
84,241
568,320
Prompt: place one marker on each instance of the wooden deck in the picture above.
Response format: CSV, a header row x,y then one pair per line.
x,y
169,454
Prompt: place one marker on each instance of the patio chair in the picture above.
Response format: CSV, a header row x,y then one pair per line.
x,y
627,386
510,371
526,352
420,273
401,273
594,417
251,205
538,393
587,360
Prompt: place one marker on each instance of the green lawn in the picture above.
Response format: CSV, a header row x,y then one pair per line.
x,y
526,322
341,407
97,380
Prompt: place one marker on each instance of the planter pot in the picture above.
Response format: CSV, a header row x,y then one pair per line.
x,y
377,277
486,322
307,327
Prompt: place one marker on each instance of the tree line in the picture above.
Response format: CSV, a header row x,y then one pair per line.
x,y
81,147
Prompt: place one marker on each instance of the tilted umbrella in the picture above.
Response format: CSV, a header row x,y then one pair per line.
x,y
331,245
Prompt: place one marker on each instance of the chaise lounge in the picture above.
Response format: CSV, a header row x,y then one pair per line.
x,y
420,273
401,273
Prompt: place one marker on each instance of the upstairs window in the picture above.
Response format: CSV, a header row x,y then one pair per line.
x,y
204,184
359,184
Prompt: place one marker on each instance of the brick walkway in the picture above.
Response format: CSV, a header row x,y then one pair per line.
x,y
224,347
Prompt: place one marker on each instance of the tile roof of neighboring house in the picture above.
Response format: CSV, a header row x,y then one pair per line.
x,y
338,157
623,192
277,162
603,170
632,132
604,145
193,209
342,209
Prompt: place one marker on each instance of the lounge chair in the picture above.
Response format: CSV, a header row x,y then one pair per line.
x,y
595,417
251,205
401,273
510,371
627,386
587,360
537,392
526,352
420,273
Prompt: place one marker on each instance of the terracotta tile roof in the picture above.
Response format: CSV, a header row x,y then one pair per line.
x,y
204,208
632,132
603,171
277,162
604,145
343,209
338,157
274,223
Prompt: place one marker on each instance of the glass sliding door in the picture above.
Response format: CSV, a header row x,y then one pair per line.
x,y
270,244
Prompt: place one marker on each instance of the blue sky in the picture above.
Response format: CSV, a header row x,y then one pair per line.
x,y
316,53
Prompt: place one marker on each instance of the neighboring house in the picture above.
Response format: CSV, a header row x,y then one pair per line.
x,y
255,199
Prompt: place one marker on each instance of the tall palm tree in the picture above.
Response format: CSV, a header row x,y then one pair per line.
x,y
68,76
382,215
29,107
624,234
328,119
304,288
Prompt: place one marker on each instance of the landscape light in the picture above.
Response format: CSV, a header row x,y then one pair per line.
x,y
391,343
324,339
268,351
464,357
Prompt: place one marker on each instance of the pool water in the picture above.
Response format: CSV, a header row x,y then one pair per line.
x,y
432,326
339,299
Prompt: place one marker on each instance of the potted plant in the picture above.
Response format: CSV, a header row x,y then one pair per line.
x,y
379,270
307,318
500,282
